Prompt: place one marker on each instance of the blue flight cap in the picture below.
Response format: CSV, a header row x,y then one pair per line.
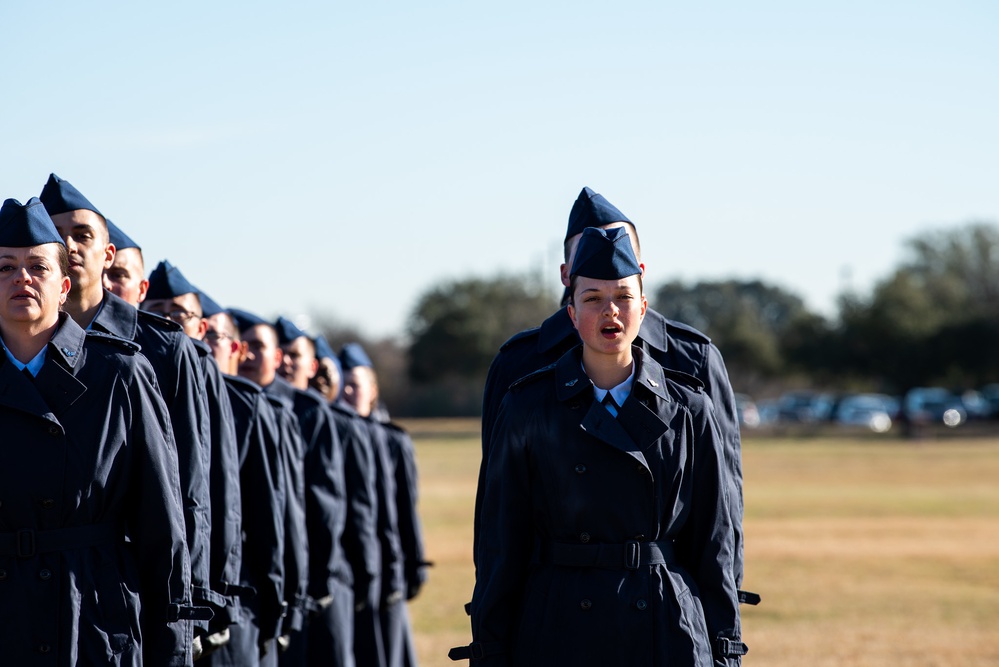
x,y
246,320
591,210
352,355
323,349
60,196
26,225
605,254
287,331
209,306
120,239
166,281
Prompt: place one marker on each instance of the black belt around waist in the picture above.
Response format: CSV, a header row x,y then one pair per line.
x,y
630,555
28,542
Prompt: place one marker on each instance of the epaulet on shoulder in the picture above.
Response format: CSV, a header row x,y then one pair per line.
x,y
687,332
243,382
531,377
686,379
159,322
127,345
526,333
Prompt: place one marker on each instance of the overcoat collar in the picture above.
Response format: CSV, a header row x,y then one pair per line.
x,y
558,328
639,423
117,317
56,386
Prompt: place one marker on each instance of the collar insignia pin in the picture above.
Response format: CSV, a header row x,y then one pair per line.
x,y
653,383
571,382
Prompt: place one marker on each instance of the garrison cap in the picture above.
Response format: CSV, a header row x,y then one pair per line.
x,y
323,349
287,330
166,281
60,196
591,210
245,320
352,355
26,225
605,254
120,239
209,306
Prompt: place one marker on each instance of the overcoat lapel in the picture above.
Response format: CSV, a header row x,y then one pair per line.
x,y
55,388
57,381
638,426
18,393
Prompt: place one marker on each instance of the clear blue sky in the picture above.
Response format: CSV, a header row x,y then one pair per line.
x,y
326,158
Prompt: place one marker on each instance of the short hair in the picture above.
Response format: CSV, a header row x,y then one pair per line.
x,y
62,257
228,326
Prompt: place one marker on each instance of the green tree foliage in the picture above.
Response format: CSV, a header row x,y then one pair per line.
x,y
457,327
930,321
747,320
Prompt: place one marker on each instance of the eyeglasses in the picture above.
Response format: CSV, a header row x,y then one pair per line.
x,y
214,337
180,316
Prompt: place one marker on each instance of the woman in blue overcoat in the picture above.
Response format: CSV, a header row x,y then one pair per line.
x,y
93,563
605,538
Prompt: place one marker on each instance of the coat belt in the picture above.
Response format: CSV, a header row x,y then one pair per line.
x,y
630,555
27,542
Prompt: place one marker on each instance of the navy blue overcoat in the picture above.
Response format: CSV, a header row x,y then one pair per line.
x,y
605,541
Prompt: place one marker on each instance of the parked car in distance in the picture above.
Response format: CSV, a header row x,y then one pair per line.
x,y
926,405
872,411
804,407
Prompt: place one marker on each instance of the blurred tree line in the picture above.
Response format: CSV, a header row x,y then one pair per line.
x,y
933,321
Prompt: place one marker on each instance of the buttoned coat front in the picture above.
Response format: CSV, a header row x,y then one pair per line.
x,y
564,474
88,458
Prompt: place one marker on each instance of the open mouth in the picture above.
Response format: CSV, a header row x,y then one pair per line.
x,y
611,330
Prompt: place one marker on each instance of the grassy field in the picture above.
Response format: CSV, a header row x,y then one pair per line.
x,y
866,552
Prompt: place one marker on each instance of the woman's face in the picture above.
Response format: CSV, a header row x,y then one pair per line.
x,y
32,285
608,313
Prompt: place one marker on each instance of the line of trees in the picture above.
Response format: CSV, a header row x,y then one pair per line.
x,y
933,321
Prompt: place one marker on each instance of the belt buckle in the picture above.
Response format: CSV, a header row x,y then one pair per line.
x,y
632,555
25,543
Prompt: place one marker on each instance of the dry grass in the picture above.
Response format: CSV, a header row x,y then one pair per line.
x,y
866,553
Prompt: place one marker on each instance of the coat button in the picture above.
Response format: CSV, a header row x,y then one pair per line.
x,y
641,605
580,469
584,537
44,648
3,574
585,605
47,503
53,430
45,575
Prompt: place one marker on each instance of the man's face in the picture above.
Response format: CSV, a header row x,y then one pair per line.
x,y
32,286
574,243
185,310
299,364
219,336
608,313
90,252
360,390
263,356
126,277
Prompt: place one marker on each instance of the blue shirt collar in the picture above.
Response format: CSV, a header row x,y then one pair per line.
x,y
33,366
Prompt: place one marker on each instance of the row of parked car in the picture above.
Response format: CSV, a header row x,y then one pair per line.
x,y
876,412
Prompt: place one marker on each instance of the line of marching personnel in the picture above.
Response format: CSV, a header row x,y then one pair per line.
x,y
183,482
